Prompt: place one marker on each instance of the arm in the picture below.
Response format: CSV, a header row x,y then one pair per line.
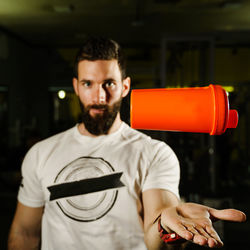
x,y
194,222
25,231
191,221
155,201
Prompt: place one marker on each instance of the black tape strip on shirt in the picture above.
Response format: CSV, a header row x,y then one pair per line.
x,y
85,186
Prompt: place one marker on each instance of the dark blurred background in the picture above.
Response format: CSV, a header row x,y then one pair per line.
x,y
168,43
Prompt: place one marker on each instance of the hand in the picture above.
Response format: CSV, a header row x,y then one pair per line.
x,y
193,222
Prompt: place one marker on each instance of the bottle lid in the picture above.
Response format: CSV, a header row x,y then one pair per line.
x,y
232,119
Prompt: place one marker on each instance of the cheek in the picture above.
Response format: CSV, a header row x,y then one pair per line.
x,y
117,93
84,98
115,96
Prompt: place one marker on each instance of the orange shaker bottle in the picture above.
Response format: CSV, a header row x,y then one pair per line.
x,y
196,109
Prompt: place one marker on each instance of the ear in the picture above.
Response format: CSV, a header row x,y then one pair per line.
x,y
75,85
125,86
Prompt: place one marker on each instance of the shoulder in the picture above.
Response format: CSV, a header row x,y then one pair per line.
x,y
136,138
148,144
52,141
130,133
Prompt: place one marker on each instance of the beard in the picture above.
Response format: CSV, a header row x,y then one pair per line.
x,y
100,123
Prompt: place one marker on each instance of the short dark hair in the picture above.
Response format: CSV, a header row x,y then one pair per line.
x,y
100,48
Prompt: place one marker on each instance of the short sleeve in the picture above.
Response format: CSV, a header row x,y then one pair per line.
x,y
30,191
163,171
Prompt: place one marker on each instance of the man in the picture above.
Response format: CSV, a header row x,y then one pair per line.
x,y
101,184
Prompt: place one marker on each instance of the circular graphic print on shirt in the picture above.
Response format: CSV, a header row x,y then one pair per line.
x,y
90,206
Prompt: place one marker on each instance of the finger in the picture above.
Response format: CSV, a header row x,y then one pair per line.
x,y
205,238
227,214
210,238
176,225
200,240
203,232
214,237
191,228
213,243
200,235
181,230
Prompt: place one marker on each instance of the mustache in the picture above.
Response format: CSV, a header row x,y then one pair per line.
x,y
98,106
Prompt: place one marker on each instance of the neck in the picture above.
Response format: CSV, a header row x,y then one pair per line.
x,y
115,126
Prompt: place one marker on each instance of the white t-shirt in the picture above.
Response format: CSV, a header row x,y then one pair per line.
x,y
91,187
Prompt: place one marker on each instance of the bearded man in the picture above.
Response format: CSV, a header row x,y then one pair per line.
x,y
101,184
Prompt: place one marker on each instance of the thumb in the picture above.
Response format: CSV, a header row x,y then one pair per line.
x,y
227,214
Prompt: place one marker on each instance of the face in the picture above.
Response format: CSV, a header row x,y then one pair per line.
x,y
100,89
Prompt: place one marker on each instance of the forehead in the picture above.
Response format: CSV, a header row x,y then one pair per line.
x,y
99,70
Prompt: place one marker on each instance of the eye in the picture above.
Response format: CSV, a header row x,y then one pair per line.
x,y
86,84
109,84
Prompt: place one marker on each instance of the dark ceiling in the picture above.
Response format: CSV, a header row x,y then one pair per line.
x,y
64,23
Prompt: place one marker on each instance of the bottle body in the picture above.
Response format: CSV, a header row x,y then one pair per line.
x,y
198,109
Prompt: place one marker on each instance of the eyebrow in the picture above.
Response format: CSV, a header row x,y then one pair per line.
x,y
85,80
109,80
104,81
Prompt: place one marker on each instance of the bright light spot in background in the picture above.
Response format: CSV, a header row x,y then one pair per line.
x,y
61,94
228,88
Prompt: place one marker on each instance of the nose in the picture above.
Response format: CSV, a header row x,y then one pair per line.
x,y
100,95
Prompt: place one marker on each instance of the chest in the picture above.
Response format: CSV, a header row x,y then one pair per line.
x,y
93,171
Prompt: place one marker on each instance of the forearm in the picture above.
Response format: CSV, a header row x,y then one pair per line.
x,y
23,240
154,242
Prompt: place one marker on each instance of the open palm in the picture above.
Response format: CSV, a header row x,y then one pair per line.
x,y
194,222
